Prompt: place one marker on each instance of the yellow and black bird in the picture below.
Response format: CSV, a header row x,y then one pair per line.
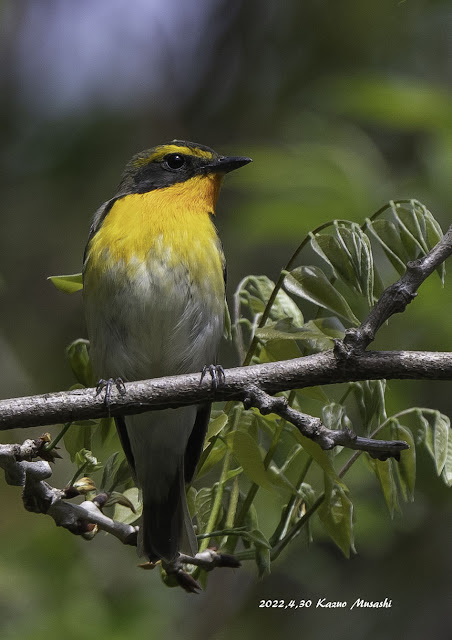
x,y
154,296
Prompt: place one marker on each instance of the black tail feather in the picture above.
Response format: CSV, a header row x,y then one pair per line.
x,y
162,524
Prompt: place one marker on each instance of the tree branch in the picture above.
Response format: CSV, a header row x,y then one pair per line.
x,y
178,391
38,496
396,297
316,431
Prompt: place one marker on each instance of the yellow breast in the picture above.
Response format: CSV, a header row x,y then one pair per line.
x,y
171,225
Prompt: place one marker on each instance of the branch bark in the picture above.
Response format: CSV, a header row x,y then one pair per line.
x,y
397,297
38,496
178,391
87,518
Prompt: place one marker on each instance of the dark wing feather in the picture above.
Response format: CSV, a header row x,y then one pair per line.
x,y
99,217
196,441
125,442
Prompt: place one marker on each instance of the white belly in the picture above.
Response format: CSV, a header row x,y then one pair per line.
x,y
152,324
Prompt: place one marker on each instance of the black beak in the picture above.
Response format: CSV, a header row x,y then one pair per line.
x,y
225,164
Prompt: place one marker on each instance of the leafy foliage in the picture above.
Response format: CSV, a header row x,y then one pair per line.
x,y
309,307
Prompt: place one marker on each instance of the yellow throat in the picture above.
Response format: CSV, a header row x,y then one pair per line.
x,y
172,224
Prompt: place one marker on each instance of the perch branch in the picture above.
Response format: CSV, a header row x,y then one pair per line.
x,y
182,390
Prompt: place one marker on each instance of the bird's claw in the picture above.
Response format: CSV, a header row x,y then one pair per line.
x,y
107,386
216,373
174,576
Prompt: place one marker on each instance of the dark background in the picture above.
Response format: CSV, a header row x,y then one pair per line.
x,y
343,106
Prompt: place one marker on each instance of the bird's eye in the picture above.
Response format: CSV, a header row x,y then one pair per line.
x,y
174,160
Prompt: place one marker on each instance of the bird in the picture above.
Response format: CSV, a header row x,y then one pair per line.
x,y
154,277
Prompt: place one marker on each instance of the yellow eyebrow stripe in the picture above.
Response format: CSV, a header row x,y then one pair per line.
x,y
163,150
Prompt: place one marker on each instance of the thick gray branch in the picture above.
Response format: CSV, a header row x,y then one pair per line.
x,y
177,391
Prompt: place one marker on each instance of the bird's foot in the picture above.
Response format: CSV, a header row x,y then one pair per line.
x,y
209,559
174,576
107,386
216,373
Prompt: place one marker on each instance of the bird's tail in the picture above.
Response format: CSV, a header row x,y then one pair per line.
x,y
158,441
166,526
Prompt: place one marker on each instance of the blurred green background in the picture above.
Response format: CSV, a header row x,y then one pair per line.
x,y
342,106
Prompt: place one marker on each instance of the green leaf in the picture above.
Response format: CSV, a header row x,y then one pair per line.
x,y
77,437
232,473
384,472
409,230
119,498
257,537
349,254
320,456
109,471
203,506
406,467
385,232
435,437
426,433
293,461
191,500
334,416
336,515
370,399
330,250
123,513
255,291
227,324
279,330
262,548
216,425
314,393
413,221
276,350
122,477
311,283
68,284
248,455
78,355
84,458
279,480
441,427
104,436
215,455
447,469
309,336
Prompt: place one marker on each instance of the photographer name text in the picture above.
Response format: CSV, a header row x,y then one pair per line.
x,y
324,603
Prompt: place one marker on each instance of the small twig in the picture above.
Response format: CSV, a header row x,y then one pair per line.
x,y
40,497
55,441
85,518
208,560
314,429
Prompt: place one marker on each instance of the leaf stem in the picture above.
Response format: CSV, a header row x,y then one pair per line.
x,y
57,438
219,492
